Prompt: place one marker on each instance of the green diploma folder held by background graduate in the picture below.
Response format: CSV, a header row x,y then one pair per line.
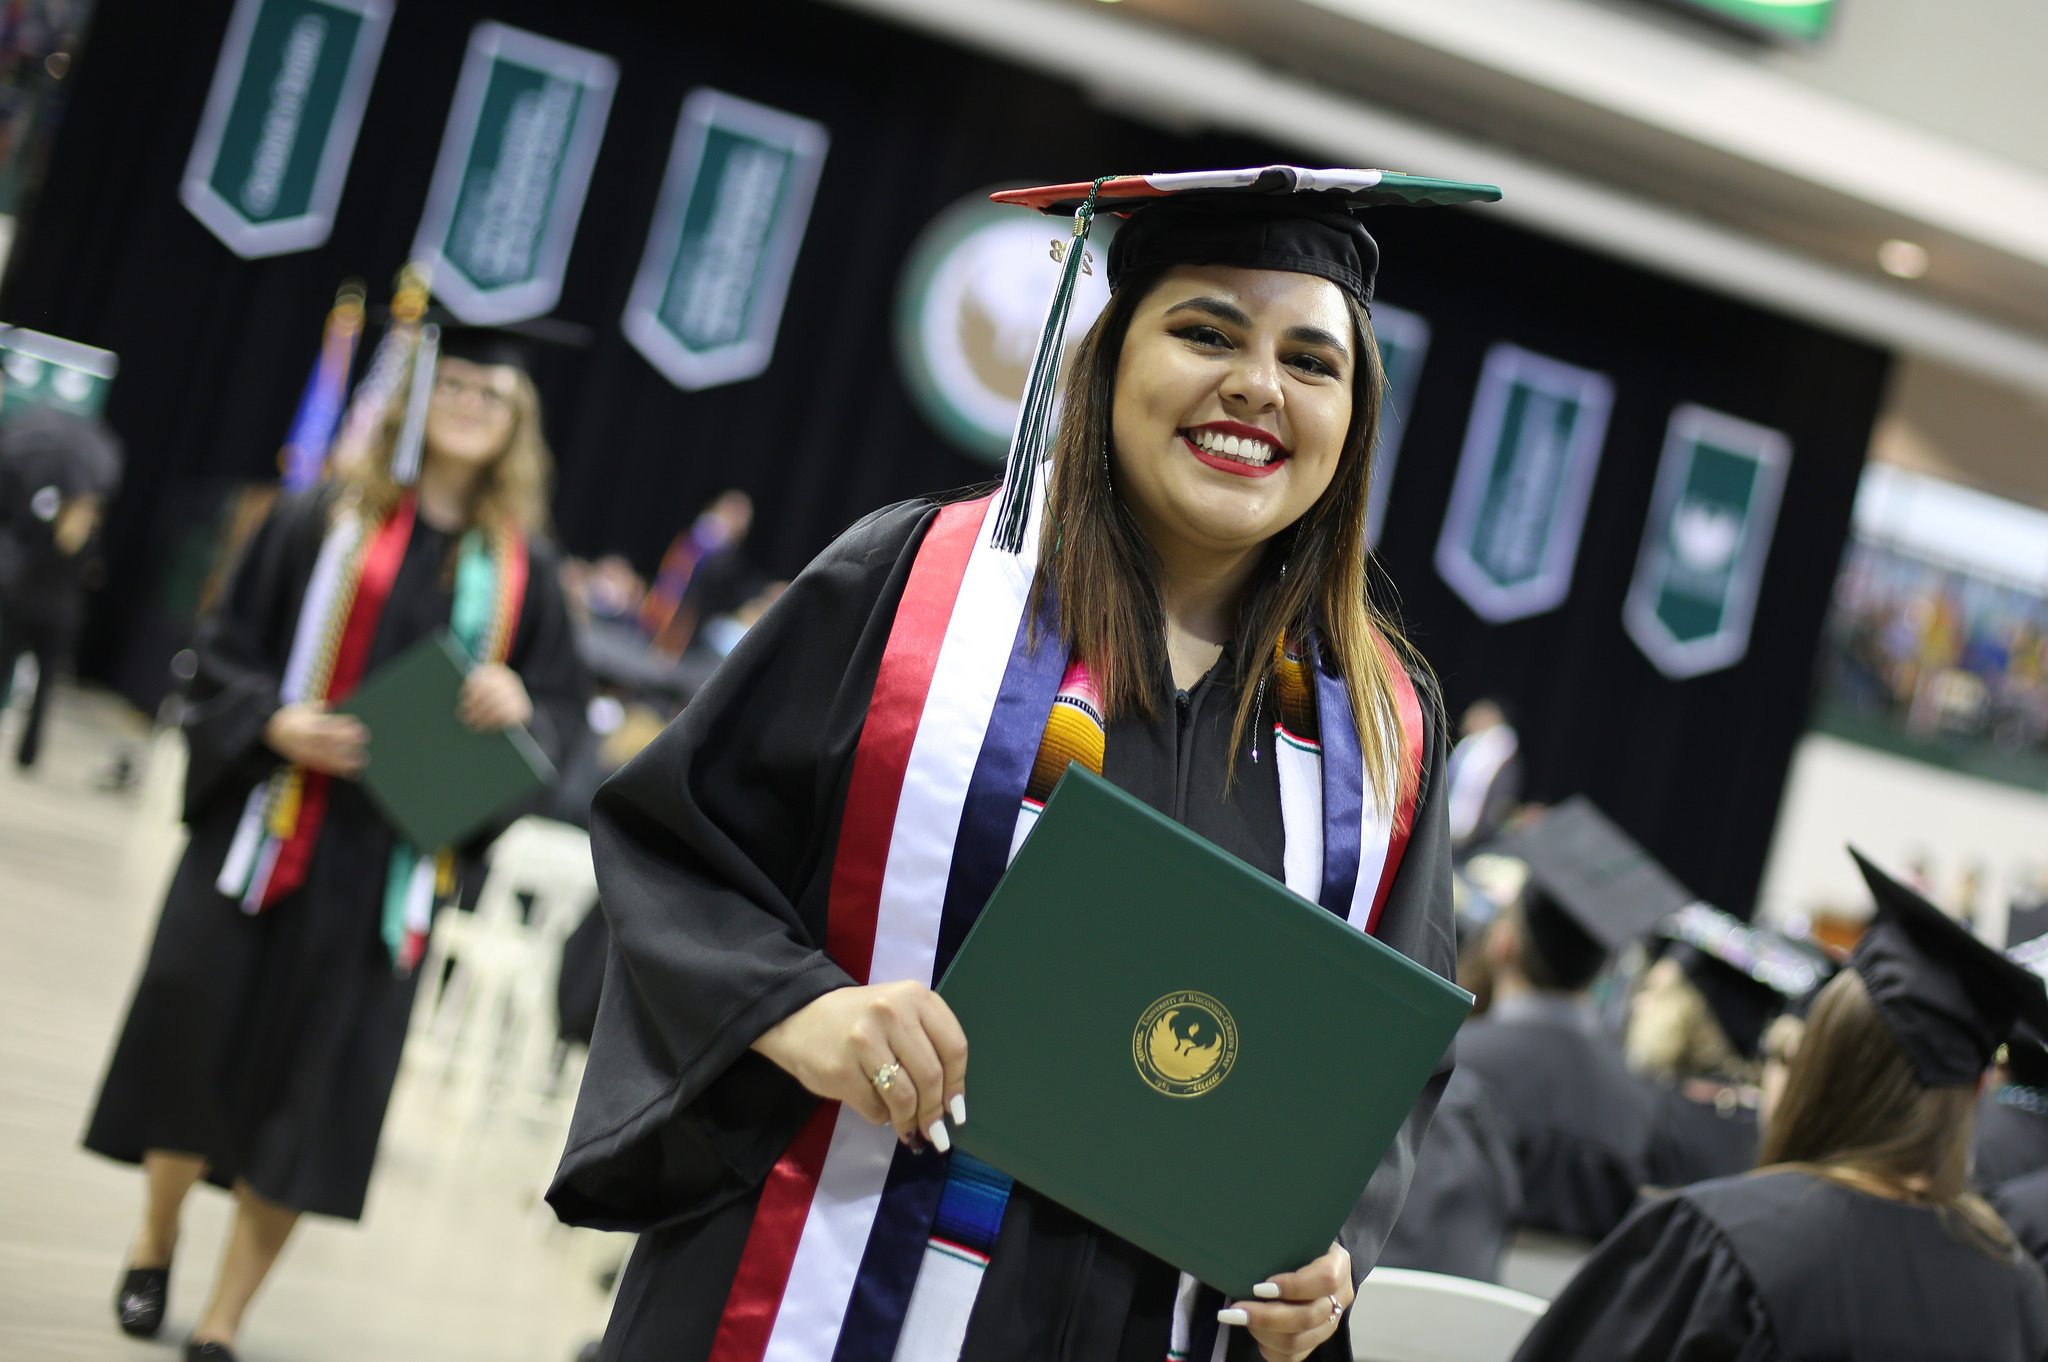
x,y
437,781
1179,1048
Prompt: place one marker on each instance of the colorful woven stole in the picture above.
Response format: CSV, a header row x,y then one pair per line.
x,y
859,1250
338,616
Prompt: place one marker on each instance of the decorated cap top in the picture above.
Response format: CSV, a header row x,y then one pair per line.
x,y
1126,194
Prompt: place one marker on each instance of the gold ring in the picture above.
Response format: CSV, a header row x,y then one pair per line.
x,y
885,1077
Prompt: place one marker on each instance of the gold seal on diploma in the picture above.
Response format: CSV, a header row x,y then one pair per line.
x,y
1184,1044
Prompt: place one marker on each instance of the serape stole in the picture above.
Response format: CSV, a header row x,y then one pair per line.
x,y
338,616
861,1251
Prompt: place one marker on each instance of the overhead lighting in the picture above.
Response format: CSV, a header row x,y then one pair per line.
x,y
1902,259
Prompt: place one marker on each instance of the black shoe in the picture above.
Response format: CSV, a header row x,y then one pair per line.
x,y
139,1304
208,1352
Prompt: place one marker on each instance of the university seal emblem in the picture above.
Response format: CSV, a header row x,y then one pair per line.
x,y
1184,1044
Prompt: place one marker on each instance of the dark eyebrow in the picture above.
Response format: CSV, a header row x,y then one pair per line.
x,y
1315,335
1236,316
1215,307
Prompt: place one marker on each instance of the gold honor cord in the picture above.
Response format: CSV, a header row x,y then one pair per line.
x,y
1041,389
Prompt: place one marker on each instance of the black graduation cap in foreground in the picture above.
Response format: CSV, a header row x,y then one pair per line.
x,y
1747,974
1949,998
1612,890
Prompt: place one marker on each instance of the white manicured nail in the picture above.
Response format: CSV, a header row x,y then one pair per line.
x,y
1266,1291
1232,1316
959,1108
941,1141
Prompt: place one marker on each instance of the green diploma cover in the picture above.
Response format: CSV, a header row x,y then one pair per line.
x,y
437,781
1179,1048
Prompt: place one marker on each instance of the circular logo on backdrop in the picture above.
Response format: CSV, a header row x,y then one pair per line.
x,y
1184,1044
970,309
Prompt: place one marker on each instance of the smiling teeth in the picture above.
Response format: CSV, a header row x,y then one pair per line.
x,y
1238,449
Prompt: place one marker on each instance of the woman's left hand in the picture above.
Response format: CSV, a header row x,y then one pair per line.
x,y
493,698
1306,1308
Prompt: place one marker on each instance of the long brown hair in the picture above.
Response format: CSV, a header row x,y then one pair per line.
x,y
512,493
1096,564
1854,1112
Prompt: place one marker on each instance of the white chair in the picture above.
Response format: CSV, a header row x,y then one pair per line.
x,y
1405,1316
484,1024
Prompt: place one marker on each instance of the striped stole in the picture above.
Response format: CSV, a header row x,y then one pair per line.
x,y
861,1251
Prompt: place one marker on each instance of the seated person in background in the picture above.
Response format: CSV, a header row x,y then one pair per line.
x,y
1580,1122
1860,1238
2012,1120
1696,1030
1466,1191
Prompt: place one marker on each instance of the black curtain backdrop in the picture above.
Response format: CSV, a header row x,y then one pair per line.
x,y
215,350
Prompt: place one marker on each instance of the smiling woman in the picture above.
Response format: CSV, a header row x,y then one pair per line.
x,y
788,869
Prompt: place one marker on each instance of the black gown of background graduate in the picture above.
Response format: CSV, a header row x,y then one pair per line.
x,y
1580,1121
715,849
1467,1191
269,1043
1790,1267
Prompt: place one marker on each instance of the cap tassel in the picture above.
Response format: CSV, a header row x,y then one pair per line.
x,y
412,435
1041,390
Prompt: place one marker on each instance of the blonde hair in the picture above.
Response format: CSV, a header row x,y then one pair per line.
x,y
513,491
1856,1113
1673,1032
1097,566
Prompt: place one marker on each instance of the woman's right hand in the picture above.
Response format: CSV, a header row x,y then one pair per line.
x,y
307,735
836,1043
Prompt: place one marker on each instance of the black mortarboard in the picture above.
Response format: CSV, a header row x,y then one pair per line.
x,y
1610,888
1260,217
1747,974
2024,921
1949,998
519,344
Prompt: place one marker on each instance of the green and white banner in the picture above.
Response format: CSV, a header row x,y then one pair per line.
x,y
708,298
1806,21
1511,535
273,148
1694,592
1404,341
49,371
515,161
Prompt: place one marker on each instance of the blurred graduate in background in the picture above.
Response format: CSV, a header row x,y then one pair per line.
x,y
1860,1238
264,1035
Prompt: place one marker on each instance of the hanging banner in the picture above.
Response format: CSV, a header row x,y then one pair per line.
x,y
708,298
970,307
1511,534
49,371
1404,341
515,161
273,148
1694,592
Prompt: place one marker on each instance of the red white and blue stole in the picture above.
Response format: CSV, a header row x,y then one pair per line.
x,y
344,600
861,1251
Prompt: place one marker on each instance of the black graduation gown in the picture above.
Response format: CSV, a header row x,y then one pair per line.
x,y
2012,1135
1466,1192
714,851
1786,1265
1581,1122
1703,1128
2023,1201
269,1043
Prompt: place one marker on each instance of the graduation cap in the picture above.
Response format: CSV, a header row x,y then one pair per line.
x,y
1747,974
1949,998
1260,217
1611,889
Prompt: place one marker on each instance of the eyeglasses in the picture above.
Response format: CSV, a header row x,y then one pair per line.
x,y
453,390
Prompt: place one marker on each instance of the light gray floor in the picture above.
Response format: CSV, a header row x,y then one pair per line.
x,y
452,1261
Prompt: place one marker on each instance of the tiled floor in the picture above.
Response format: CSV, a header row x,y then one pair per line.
x,y
452,1262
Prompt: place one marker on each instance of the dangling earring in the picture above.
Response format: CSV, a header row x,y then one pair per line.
x,y
1105,467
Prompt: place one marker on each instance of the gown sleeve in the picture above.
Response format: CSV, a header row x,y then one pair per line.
x,y
1466,1191
1664,1287
241,646
713,850
1416,921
